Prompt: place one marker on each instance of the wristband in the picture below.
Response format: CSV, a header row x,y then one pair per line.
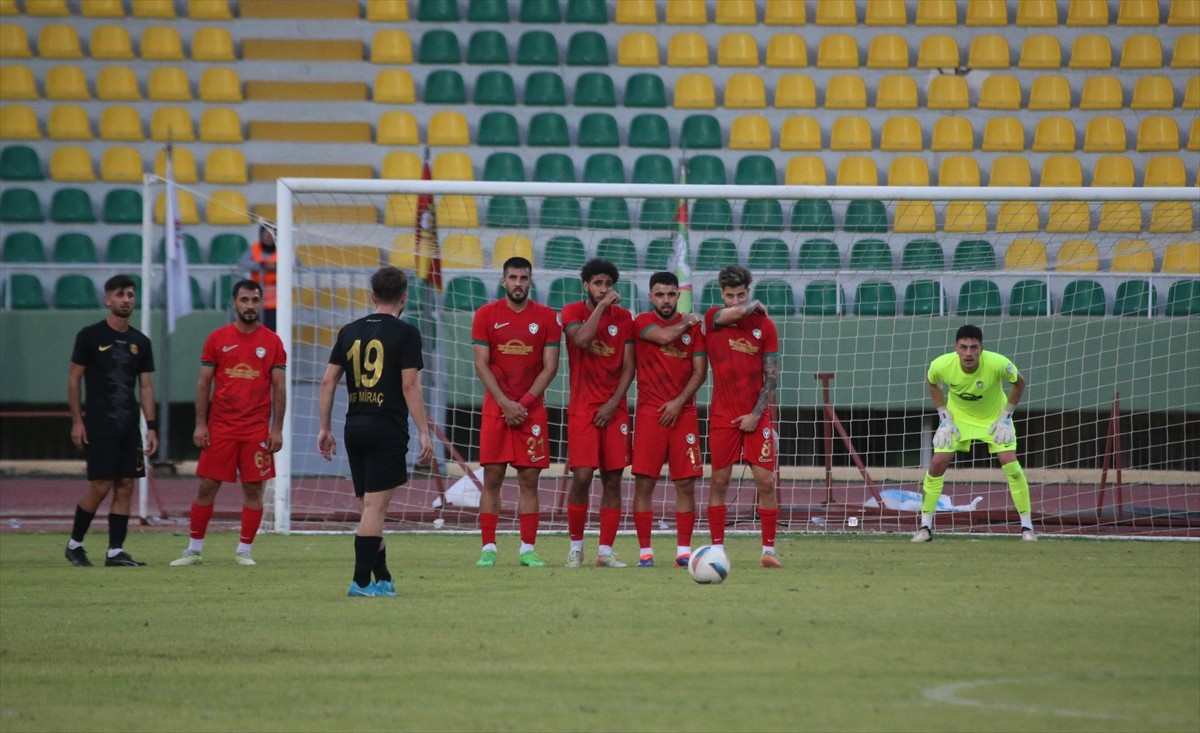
x,y
527,399
152,425
1006,412
944,414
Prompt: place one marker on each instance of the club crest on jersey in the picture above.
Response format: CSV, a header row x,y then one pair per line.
x,y
624,429
690,438
686,339
533,328
537,430
766,433
979,384
133,349
757,333
260,352
612,330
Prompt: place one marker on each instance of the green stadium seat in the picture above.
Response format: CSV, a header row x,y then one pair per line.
x,y
222,290
875,298
191,248
487,47
1136,298
537,48
870,254
706,170
712,215
631,296
603,168
1183,299
714,254
595,89
587,48
439,47
124,248
922,254
561,212
812,215
507,212
974,254
465,293
438,11
504,167
1083,298
823,298
653,168
495,87
445,86
498,129
539,11
123,206
620,252
75,247
777,296
755,170
710,296
924,298
20,206
227,249
649,131
563,253
545,89
487,11
75,292
548,130
658,213
564,290
660,253
598,130
769,254
72,206
199,300
587,11
818,254
866,216
554,168
979,298
700,132
762,215
609,213
645,90
1029,298
23,247
20,163
27,292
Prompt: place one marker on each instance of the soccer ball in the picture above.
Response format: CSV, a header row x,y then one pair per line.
x,y
709,565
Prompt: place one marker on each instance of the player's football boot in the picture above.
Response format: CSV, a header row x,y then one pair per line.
x,y
78,557
358,591
386,588
574,559
487,559
190,557
1027,535
243,558
924,534
530,559
609,560
122,560
768,560
646,561
681,561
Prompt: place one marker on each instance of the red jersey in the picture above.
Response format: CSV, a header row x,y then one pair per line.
x,y
736,353
242,364
596,370
515,341
663,371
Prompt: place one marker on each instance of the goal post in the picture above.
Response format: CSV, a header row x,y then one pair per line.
x,y
1079,286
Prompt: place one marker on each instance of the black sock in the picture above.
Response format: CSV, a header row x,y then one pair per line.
x,y
365,550
118,528
381,569
83,520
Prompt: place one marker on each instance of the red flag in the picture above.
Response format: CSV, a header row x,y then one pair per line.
x,y
429,252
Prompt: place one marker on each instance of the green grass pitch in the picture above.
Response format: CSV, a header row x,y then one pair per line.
x,y
856,633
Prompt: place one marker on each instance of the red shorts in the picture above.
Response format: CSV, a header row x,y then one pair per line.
x,y
678,445
225,458
524,446
728,445
605,448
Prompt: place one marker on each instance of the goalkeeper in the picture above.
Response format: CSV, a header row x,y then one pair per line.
x,y
974,408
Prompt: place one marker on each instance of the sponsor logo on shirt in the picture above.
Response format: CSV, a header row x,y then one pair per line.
x,y
599,348
242,371
669,350
744,346
229,348
500,325
105,348
514,347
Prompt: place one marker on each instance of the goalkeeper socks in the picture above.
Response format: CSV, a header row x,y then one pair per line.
x,y
642,522
610,520
381,568
366,550
118,528
716,522
576,520
198,520
251,519
487,527
1017,486
685,524
83,520
770,520
529,528
932,487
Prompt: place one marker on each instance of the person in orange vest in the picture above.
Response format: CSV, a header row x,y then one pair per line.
x,y
259,261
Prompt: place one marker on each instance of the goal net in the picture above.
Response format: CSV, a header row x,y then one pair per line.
x,y
1094,293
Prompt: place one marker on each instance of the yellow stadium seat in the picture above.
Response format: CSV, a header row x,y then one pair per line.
x,y
1193,143
1120,216
168,84
1172,217
745,91
121,123
183,165
16,82
458,211
20,122
1063,171
188,214
448,127
1087,12
805,170
225,166
857,170
800,132
14,42
1054,135
220,85
914,217
397,128
787,51
1003,134
121,164
795,91
71,163
59,41
9,7
850,133
1112,171
1017,216
220,125
837,51
1138,12
394,86
403,253
965,216
936,12
986,12
453,166
511,245
1157,133
835,12
1104,135
462,251
1000,91
1165,170
401,210
1027,255
736,12
401,165
908,170
637,49
886,12
952,134
988,51
1101,93
887,51
212,44
695,91
1186,54
896,91
46,8
1037,13
1184,12
784,12
845,91
113,84
1040,52
1050,92
1191,94
750,132
1132,255
901,134
948,91
938,52
1071,217
110,43
171,125
228,208
1181,257
637,12
154,8
958,170
161,43
686,12
1010,170
387,11
1078,255
68,122
391,46
687,49
1141,51
737,49
1091,51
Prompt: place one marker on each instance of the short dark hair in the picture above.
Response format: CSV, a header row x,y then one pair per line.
x,y
389,284
597,266
969,332
517,263
119,282
734,276
664,278
245,285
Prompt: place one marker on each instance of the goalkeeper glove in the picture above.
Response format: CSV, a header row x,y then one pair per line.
x,y
1002,430
947,432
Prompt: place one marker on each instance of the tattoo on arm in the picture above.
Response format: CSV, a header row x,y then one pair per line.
x,y
770,382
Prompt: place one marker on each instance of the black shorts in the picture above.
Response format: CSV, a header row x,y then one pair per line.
x,y
377,452
114,455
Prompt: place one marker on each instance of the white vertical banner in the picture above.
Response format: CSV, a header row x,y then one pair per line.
x,y
179,286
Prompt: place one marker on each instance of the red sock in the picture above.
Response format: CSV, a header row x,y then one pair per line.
x,y
577,520
716,522
685,523
610,519
487,527
770,518
251,518
529,528
642,522
198,520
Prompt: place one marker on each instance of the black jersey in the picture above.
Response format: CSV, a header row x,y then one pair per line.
x,y
112,360
374,351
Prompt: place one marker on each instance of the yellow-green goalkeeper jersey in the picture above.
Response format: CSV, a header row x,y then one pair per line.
x,y
975,398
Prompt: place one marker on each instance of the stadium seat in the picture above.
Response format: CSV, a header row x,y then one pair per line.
x,y
59,41
695,91
16,83
20,122
72,206
161,43
393,46
1091,51
511,245
1158,132
974,255
453,166
1183,298
850,133
1087,13
110,43
762,215
564,290
649,131
637,49
1029,298
1083,298
113,83
121,123
1077,255
736,12
645,90
988,51
497,129
621,252
1040,52
170,125
445,86
653,168
875,298
465,293
1164,170
537,48
495,88
1141,51
811,215
750,132
27,293
188,214
818,254
20,206
712,215
800,132
659,254
75,292
700,132
545,89
1000,91
547,129
948,91
887,51
786,51
1054,135
227,207
595,89
226,249
554,168
74,247
777,296
563,253
448,127
23,247
20,163
1132,255
737,49
586,11
487,47
1104,135
1025,254
401,164
539,11
507,212
938,51
979,298
1003,134
805,170
900,134
686,12
598,130
1135,298
609,213
924,298
745,91
713,254
958,170
837,51
397,128
1113,170
169,84
1153,92
71,163
638,12
795,91
952,134
437,46
1051,92
435,11
462,251
1101,93
823,298
845,91
769,254
857,170
163,9
870,254
503,167
213,45
1186,53
1171,216
756,170
896,91
393,86
922,254
14,42
1182,257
